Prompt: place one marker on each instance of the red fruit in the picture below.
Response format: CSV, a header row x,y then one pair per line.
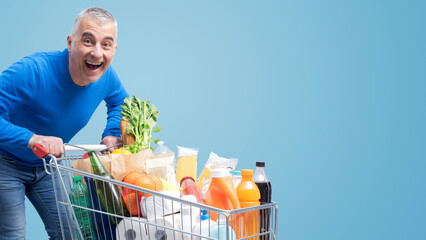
x,y
87,155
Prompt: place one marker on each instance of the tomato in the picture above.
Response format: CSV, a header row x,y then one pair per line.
x,y
121,151
87,155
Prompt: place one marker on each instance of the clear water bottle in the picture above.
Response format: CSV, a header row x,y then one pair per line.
x,y
161,148
80,196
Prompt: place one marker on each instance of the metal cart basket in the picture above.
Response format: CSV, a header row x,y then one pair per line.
x,y
159,216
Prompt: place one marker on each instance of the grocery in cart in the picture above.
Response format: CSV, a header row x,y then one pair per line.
x,y
137,193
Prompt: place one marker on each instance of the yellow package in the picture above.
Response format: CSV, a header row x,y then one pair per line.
x,y
186,163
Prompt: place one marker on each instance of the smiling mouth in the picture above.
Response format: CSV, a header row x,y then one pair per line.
x,y
93,65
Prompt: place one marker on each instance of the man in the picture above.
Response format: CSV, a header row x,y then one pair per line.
x,y
46,98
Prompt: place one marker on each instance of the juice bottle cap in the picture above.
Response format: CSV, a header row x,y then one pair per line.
x,y
235,172
247,172
260,164
220,172
184,178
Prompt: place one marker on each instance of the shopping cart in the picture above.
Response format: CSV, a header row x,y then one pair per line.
x,y
156,217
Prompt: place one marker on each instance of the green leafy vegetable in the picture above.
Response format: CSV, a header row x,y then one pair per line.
x,y
142,119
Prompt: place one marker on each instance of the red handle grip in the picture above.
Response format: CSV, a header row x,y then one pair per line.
x,y
39,151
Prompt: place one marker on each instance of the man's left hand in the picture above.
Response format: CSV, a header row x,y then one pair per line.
x,y
110,141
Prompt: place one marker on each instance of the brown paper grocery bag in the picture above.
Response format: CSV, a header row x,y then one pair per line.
x,y
122,164
118,165
85,166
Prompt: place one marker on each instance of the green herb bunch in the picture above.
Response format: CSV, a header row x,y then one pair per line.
x,y
142,119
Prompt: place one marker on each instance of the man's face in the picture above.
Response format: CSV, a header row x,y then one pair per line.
x,y
91,49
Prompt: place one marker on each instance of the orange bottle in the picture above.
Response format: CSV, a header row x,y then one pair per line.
x,y
249,195
221,193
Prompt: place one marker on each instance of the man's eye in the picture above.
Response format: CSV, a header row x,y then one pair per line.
x,y
87,41
107,44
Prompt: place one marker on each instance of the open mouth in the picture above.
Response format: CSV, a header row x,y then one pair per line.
x,y
93,65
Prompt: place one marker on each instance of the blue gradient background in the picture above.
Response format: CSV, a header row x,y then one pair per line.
x,y
329,93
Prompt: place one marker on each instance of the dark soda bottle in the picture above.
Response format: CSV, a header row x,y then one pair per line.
x,y
108,193
265,188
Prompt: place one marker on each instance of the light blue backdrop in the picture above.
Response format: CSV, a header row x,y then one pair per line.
x,y
330,94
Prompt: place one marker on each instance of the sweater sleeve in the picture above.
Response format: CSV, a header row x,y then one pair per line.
x,y
16,86
113,103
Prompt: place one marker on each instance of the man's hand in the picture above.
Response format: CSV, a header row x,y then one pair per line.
x,y
111,140
53,145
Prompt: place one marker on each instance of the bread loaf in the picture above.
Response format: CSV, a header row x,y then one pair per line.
x,y
128,138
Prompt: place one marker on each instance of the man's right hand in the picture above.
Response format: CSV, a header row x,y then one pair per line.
x,y
53,145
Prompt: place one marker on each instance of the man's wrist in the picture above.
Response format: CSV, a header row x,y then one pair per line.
x,y
32,140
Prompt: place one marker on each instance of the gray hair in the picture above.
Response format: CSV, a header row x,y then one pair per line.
x,y
100,13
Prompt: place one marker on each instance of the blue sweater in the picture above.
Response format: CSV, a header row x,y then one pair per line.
x,y
37,95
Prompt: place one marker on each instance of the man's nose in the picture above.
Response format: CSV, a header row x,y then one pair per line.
x,y
96,51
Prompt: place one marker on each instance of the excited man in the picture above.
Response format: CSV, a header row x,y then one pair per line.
x,y
47,98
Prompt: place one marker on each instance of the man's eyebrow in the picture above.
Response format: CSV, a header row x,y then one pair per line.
x,y
109,38
89,34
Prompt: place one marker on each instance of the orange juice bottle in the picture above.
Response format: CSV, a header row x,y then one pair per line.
x,y
221,193
249,195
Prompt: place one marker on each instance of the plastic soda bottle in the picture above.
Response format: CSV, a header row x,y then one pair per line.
x,y
249,196
265,189
187,184
108,193
80,196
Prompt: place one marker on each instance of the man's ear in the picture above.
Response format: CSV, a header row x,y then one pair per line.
x,y
69,41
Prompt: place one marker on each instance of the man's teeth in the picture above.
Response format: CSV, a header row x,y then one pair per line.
x,y
92,63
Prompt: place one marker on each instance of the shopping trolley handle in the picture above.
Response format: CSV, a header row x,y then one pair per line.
x,y
40,151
